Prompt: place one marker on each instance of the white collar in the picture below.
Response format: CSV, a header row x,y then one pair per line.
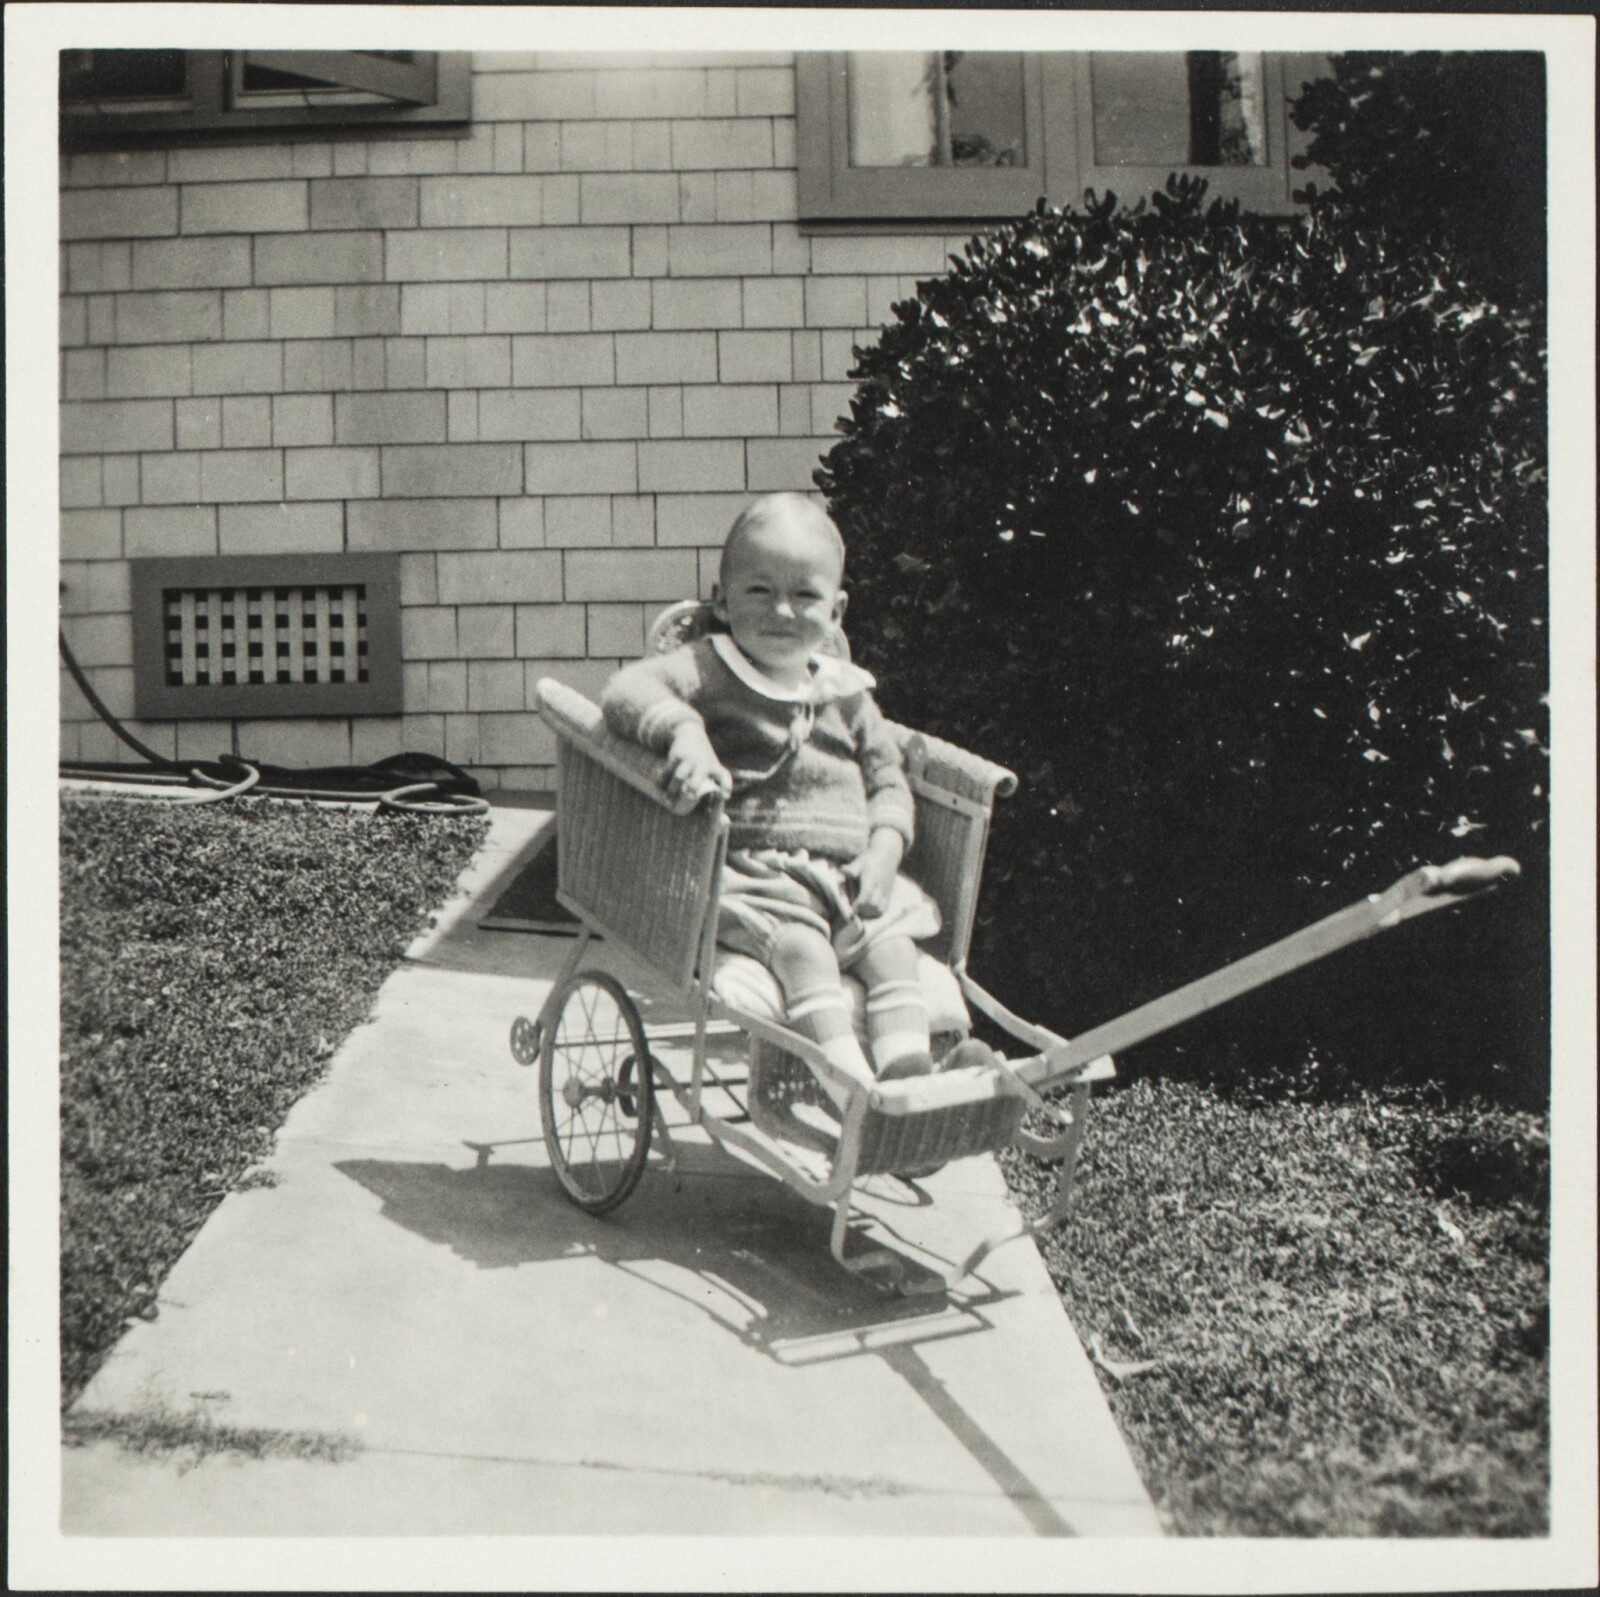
x,y
831,678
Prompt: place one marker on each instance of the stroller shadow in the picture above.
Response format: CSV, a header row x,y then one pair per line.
x,y
748,1238
737,1246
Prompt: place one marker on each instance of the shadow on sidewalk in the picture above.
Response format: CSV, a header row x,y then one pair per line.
x,y
750,1240
735,1245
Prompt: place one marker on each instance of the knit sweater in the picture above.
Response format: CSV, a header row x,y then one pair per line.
x,y
813,768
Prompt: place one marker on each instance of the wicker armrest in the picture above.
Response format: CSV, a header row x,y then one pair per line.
x,y
955,794
636,868
932,761
575,718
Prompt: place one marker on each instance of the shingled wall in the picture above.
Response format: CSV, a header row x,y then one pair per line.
x,y
545,363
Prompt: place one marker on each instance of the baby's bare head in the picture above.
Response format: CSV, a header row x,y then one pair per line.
x,y
790,520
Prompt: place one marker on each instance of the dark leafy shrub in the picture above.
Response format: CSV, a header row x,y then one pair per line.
x,y
1441,148
1227,534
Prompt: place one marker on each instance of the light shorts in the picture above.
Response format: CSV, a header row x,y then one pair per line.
x,y
765,889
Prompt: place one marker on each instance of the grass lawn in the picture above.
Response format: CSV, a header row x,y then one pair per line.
x,y
212,960
1316,1319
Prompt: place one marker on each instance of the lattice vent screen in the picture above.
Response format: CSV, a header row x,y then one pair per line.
x,y
262,636
227,636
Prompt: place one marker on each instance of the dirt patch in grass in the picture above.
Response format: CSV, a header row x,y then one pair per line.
x,y
212,960
1316,1319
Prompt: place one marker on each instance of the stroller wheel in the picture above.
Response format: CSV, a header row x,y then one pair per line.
x,y
595,1100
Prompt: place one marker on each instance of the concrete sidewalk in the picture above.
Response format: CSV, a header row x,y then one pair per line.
x,y
493,1361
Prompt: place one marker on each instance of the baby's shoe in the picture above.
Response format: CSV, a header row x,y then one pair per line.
x,y
918,1064
967,1054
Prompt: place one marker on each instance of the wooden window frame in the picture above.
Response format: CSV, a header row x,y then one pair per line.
x,y
1058,118
433,93
832,189
155,699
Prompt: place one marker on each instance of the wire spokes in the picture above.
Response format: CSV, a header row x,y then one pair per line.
x,y
594,1095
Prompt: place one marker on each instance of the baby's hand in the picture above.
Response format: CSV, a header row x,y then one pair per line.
x,y
873,871
694,769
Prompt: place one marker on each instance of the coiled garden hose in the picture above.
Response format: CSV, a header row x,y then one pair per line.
x,y
407,784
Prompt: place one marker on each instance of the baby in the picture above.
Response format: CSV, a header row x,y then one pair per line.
x,y
820,811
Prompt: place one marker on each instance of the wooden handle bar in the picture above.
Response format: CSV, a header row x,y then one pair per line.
x,y
1468,875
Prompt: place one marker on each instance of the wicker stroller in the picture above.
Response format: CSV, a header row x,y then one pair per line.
x,y
644,875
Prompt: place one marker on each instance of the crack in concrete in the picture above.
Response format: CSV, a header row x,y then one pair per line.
x,y
832,1485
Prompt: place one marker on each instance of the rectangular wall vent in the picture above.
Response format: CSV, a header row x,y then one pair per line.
x,y
260,635
266,636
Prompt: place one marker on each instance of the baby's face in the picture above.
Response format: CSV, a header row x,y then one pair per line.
x,y
780,597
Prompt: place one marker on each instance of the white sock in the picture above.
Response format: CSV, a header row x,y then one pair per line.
x,y
897,1021
823,1015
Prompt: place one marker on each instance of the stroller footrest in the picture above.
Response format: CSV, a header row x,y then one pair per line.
x,y
936,1136
912,1124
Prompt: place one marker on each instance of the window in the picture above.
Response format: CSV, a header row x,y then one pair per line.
x,y
1218,114
958,134
940,134
112,94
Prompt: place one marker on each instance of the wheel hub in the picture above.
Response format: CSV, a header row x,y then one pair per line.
x,y
573,1091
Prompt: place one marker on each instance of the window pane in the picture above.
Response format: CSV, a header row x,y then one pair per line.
x,y
1198,108
938,108
90,75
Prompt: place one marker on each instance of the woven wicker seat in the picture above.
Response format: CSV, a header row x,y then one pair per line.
x,y
635,869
